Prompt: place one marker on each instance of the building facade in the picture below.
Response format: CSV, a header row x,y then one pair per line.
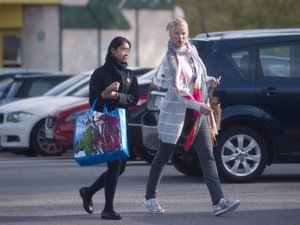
x,y
73,35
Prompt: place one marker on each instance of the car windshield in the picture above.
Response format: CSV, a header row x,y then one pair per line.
x,y
147,76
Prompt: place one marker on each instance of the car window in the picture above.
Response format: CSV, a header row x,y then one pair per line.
x,y
138,72
241,59
67,84
82,92
31,88
147,76
280,61
5,85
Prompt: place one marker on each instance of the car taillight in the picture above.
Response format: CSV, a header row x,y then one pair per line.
x,y
141,102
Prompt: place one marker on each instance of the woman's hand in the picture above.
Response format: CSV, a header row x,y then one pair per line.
x,y
214,82
205,109
113,87
111,91
110,94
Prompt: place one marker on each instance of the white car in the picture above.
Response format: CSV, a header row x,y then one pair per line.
x,y
70,86
22,123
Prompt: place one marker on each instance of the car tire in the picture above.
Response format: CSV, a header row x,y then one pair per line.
x,y
186,165
39,143
241,154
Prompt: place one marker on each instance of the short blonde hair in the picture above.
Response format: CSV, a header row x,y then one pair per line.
x,y
176,22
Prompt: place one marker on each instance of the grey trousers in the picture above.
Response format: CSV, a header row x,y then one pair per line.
x,y
204,149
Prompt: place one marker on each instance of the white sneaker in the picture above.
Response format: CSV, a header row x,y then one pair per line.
x,y
224,206
153,206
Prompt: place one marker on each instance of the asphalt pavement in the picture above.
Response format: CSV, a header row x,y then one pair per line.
x,y
44,191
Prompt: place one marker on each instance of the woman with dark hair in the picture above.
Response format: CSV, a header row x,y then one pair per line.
x,y
115,86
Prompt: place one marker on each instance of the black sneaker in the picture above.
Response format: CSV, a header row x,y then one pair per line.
x,y
87,201
110,215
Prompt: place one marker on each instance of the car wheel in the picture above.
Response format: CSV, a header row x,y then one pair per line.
x,y
186,165
240,154
39,143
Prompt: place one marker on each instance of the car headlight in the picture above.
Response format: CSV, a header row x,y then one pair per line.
x,y
73,116
18,116
155,101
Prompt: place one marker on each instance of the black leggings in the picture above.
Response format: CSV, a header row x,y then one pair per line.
x,y
109,180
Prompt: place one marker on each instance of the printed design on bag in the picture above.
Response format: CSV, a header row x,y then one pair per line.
x,y
97,135
108,127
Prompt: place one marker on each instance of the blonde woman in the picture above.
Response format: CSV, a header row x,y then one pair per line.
x,y
187,84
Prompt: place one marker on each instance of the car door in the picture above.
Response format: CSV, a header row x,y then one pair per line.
x,y
278,93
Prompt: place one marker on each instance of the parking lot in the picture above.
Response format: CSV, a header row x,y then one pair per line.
x,y
44,191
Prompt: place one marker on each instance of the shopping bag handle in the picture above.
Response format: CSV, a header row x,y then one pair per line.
x,y
93,106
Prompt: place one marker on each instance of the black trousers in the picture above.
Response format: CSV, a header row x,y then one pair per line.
x,y
108,180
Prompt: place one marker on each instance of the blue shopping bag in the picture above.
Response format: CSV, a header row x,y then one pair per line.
x,y
100,137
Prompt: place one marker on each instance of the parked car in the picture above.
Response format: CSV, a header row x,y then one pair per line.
x,y
22,123
59,124
140,71
24,86
71,85
7,73
81,80
260,99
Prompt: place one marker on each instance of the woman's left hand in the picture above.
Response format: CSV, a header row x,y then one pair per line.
x,y
106,94
214,82
113,86
205,109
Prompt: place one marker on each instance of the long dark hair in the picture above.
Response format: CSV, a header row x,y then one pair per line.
x,y
116,43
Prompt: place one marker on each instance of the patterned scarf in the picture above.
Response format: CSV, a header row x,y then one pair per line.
x,y
181,84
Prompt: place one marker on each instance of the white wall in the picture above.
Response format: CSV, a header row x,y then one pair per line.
x,y
79,50
74,2
108,35
86,49
41,52
153,37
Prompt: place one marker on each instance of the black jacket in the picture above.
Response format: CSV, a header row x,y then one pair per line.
x,y
103,77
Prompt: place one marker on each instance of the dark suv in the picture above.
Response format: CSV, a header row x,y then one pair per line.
x,y
260,98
